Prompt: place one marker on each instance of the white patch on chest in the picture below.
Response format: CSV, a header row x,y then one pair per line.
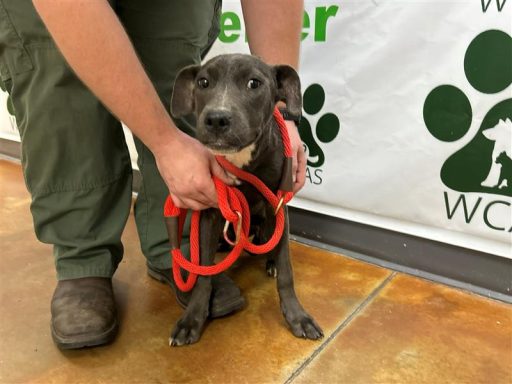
x,y
240,158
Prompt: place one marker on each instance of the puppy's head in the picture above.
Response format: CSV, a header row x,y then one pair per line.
x,y
233,97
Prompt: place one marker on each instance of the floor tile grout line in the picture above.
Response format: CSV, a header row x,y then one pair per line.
x,y
340,327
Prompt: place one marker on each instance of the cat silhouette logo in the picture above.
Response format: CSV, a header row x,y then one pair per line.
x,y
501,135
505,179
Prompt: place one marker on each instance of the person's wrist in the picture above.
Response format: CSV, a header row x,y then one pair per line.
x,y
165,140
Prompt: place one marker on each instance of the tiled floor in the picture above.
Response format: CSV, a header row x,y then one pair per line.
x,y
380,327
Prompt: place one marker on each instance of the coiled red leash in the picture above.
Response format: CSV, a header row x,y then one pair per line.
x,y
235,209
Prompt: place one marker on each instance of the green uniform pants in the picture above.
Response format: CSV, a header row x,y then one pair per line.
x,y
75,160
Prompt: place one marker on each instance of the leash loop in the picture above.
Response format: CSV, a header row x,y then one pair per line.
x,y
236,211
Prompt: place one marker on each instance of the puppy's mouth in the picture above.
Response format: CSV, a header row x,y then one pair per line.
x,y
222,148
227,146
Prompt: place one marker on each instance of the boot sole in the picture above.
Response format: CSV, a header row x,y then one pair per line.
x,y
83,341
230,307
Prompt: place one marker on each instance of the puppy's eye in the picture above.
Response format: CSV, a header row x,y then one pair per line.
x,y
253,84
203,83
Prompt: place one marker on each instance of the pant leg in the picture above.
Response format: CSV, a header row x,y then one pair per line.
x,y
75,160
168,35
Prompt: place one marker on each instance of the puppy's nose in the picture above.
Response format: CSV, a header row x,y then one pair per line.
x,y
217,121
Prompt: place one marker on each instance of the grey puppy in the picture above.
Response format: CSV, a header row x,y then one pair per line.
x,y
233,98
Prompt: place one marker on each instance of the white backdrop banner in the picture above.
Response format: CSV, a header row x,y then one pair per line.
x,y
407,115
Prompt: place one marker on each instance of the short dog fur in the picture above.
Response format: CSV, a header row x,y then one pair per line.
x,y
233,98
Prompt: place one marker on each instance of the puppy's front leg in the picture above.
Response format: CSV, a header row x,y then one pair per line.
x,y
300,322
189,326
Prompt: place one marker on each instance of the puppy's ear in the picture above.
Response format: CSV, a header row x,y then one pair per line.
x,y
182,101
288,88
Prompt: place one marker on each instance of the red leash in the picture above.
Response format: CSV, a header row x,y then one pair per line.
x,y
235,209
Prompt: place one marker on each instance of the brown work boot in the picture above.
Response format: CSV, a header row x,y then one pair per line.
x,y
83,313
226,296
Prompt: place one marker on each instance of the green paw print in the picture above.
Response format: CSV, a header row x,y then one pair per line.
x,y
482,165
327,127
10,106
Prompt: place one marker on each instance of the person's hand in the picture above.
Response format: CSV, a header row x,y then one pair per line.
x,y
299,157
187,168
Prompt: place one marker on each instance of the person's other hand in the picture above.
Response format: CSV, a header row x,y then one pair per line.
x,y
299,157
187,168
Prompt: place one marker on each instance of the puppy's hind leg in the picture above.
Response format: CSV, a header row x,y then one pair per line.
x,y
260,230
189,327
270,267
300,322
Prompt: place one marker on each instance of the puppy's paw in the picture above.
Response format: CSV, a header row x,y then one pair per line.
x,y
186,331
304,326
271,269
